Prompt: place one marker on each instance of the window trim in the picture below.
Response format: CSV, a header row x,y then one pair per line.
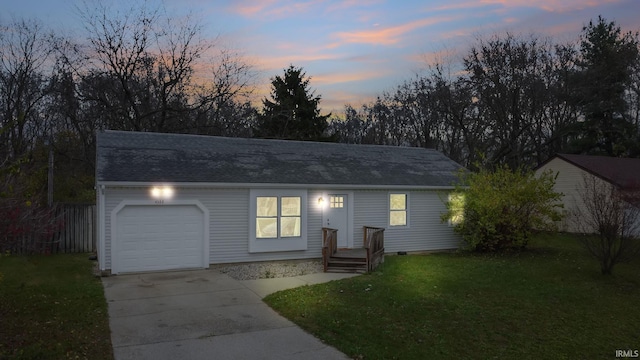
x,y
281,217
406,208
279,243
267,217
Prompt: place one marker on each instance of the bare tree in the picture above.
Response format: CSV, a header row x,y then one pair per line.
x,y
24,54
224,97
143,65
155,72
608,218
506,74
505,102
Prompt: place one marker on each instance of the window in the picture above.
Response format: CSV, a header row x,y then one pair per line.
x,y
397,209
277,220
456,205
290,216
267,217
336,202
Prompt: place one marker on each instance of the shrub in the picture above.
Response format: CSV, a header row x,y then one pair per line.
x,y
502,208
608,218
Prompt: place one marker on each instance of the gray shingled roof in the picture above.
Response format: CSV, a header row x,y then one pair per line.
x,y
153,157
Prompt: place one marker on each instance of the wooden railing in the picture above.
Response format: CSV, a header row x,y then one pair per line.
x,y
373,242
329,245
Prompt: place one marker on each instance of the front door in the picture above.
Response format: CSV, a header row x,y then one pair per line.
x,y
336,217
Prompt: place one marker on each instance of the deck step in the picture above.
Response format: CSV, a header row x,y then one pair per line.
x,y
347,265
349,269
348,261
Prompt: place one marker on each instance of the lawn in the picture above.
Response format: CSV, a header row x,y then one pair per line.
x,y
52,307
549,302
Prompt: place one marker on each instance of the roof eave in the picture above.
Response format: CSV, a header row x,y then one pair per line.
x,y
272,185
589,171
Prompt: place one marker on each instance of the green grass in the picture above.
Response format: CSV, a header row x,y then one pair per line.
x,y
549,302
52,307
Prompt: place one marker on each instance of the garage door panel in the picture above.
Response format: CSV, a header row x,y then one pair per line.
x,y
159,238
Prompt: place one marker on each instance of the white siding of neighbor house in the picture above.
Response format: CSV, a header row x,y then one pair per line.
x,y
229,222
424,230
569,182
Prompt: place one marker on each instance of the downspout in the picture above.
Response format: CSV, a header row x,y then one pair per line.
x,y
101,229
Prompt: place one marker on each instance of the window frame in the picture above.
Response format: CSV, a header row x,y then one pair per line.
x,y
278,243
405,210
281,217
336,201
267,217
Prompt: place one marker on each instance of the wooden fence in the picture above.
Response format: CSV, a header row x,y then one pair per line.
x,y
63,228
78,233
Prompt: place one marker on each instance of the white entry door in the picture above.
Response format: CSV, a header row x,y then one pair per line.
x,y
336,216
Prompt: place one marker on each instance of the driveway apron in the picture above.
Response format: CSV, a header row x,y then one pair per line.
x,y
200,314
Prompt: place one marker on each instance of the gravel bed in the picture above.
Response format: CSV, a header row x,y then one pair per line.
x,y
267,270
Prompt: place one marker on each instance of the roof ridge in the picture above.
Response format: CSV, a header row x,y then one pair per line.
x,y
233,138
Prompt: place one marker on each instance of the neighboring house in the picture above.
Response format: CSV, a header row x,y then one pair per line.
x,y
171,201
623,173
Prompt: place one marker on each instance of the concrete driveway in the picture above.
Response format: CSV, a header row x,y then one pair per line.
x,y
203,314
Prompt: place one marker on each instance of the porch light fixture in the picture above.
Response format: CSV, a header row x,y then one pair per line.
x,y
162,192
320,201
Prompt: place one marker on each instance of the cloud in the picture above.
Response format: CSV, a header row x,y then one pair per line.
x,y
335,102
349,4
556,6
271,9
249,8
345,77
300,59
385,36
465,5
444,56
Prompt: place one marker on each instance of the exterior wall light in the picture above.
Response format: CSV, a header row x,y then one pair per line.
x,y
162,192
156,192
321,202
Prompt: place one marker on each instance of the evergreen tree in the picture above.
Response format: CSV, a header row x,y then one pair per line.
x,y
292,112
604,73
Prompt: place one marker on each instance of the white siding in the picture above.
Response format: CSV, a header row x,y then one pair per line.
x,y
314,224
569,182
229,228
229,222
424,232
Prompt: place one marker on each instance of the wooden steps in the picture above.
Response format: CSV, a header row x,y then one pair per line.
x,y
358,260
348,261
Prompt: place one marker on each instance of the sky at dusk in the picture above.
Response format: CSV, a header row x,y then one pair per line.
x,y
356,49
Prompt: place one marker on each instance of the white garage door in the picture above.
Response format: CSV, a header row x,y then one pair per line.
x,y
159,238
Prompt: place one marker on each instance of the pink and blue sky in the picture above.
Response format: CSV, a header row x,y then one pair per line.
x,y
356,49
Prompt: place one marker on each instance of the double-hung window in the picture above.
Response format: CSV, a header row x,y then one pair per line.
x,y
398,209
277,220
289,216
